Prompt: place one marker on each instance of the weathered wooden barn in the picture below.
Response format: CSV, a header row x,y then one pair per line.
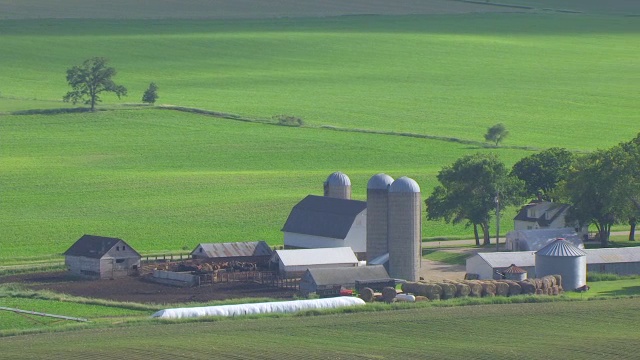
x,y
294,263
102,258
329,281
327,222
257,252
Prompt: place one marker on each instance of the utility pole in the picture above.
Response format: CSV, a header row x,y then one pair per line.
x,y
497,200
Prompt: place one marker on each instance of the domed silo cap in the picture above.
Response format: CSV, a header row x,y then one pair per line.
x,y
338,179
379,182
404,185
561,247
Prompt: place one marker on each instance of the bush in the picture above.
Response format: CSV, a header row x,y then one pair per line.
x,y
288,120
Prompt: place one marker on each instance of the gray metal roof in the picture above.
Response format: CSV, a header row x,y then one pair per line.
x,y
233,249
347,275
380,182
338,179
324,216
506,259
321,256
613,255
404,185
594,256
560,248
93,246
536,239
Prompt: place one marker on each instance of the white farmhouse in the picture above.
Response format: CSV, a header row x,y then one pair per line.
x,y
544,215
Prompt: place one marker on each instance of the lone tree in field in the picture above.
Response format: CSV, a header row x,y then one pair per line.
x,y
89,80
496,133
151,94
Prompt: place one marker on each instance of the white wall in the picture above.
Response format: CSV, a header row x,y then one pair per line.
x,y
356,238
477,265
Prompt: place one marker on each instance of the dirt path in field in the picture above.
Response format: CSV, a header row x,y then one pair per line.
x,y
232,9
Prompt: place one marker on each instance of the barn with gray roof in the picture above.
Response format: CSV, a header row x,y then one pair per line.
x,y
327,222
102,257
330,281
257,252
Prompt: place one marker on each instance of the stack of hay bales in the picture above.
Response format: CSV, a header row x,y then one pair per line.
x,y
548,285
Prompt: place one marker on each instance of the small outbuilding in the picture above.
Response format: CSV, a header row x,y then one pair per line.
x,y
620,261
329,282
102,258
294,263
327,222
257,252
492,265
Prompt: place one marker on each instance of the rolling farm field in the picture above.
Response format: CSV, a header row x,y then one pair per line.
x,y
164,180
403,88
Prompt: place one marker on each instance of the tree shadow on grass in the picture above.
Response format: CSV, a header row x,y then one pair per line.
x,y
627,290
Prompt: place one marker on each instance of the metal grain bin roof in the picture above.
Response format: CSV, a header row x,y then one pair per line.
x,y
513,269
379,182
338,179
234,249
560,247
404,185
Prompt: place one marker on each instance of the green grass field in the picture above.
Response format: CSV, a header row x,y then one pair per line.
x,y
507,331
165,181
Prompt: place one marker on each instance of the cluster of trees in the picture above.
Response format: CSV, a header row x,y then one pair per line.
x,y
603,187
92,78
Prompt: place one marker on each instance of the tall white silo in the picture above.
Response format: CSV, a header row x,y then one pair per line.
x,y
563,258
405,229
338,185
377,215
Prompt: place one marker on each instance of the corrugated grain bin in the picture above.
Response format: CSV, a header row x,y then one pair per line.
x,y
563,258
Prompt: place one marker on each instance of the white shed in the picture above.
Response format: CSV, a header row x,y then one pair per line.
x,y
294,263
491,265
327,222
534,240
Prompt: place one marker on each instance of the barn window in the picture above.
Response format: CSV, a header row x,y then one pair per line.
x,y
200,249
123,247
119,261
117,248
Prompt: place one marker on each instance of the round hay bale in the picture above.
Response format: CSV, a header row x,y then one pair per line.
x,y
538,283
502,288
514,288
488,289
433,291
527,287
462,290
558,279
366,294
539,292
553,280
555,290
421,298
411,288
448,291
420,289
388,294
546,283
475,289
